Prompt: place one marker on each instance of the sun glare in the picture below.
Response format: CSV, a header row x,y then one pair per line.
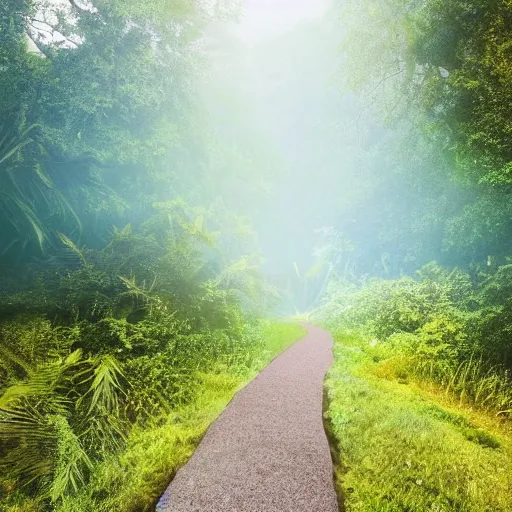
x,y
267,18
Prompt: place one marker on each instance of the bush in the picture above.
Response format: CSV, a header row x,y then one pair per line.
x,y
443,326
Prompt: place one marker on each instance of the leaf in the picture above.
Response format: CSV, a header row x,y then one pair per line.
x,y
105,386
70,244
42,176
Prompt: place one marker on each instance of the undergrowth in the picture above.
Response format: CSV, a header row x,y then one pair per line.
x,y
132,478
109,355
449,328
400,450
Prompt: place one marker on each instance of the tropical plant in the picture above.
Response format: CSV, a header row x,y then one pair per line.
x,y
55,420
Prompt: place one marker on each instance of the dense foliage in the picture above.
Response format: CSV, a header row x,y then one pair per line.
x,y
447,327
109,335
420,153
431,79
140,141
420,395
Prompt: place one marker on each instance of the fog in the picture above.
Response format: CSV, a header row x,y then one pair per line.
x,y
182,181
332,134
275,82
337,171
266,19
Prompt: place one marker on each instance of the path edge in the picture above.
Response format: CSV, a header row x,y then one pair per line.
x,y
157,506
337,464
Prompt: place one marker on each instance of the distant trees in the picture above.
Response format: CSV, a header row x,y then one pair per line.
x,y
99,114
437,75
434,78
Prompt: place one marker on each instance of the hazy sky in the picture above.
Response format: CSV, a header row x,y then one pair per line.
x,y
267,18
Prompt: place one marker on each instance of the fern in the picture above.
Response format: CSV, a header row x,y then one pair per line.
x,y
72,247
62,408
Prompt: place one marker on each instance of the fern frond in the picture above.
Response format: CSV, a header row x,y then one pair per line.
x,y
71,245
105,387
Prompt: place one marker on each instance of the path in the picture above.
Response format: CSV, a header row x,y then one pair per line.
x,y
267,452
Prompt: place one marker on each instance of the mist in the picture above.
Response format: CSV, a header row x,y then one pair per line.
x,y
273,83
339,147
184,185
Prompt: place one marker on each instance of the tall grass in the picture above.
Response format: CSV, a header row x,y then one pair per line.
x,y
443,327
473,381
400,450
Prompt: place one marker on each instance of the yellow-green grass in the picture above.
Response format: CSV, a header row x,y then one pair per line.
x,y
278,336
133,480
400,448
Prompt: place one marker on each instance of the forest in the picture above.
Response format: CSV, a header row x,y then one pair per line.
x,y
175,186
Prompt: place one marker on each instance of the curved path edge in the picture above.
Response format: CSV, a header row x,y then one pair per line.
x,y
268,450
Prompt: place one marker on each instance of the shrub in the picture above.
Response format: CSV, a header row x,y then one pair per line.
x,y
441,327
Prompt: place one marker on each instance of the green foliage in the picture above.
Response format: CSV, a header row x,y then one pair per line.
x,y
432,83
116,341
89,433
400,450
62,408
99,354
444,327
89,137
451,60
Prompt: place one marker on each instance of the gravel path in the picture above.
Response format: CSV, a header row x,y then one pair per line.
x,y
267,452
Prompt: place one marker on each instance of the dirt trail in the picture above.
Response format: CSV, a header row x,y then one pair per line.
x,y
267,452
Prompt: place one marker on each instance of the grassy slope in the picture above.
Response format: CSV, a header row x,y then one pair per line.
x,y
403,448
134,481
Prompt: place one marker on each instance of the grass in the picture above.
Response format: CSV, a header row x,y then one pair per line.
x,y
133,480
401,448
278,337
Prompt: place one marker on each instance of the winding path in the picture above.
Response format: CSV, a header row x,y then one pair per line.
x,y
267,452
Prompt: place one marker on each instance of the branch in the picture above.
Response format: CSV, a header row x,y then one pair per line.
x,y
36,45
384,79
53,31
38,29
76,6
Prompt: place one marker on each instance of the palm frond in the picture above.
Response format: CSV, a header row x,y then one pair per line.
x,y
11,144
105,387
